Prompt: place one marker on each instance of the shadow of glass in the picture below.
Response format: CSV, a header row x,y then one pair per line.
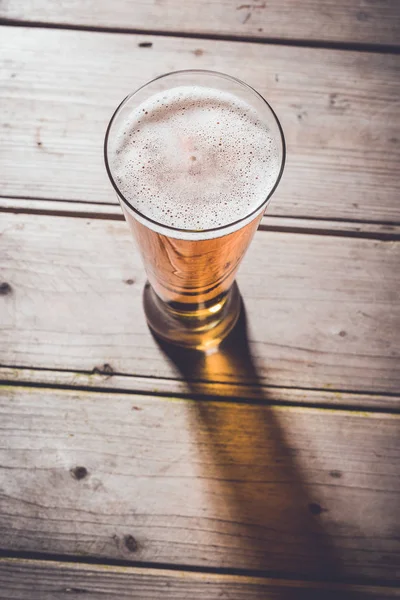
x,y
267,519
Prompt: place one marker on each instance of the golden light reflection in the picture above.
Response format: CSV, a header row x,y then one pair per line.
x,y
215,308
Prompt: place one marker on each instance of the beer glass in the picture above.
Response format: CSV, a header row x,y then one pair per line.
x,y
191,297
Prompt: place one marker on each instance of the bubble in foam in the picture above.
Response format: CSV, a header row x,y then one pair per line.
x,y
201,159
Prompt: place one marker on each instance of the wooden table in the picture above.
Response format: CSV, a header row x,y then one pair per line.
x,y
269,470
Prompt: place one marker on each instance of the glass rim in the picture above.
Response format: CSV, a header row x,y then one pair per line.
x,y
170,228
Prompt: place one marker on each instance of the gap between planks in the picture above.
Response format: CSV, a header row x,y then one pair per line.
x,y
219,37
102,381
315,226
62,577
339,23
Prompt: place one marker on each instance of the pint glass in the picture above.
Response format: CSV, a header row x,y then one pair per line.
x,y
194,157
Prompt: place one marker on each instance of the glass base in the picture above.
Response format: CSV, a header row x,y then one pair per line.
x,y
202,330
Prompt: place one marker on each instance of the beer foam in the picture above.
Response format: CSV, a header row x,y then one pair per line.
x,y
195,158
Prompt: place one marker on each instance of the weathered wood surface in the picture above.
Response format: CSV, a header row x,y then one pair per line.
x,y
373,22
322,311
339,111
101,379
361,229
289,491
297,492
42,580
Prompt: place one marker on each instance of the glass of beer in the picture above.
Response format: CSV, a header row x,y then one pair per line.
x,y
194,157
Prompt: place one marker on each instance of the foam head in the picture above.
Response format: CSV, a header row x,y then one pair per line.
x,y
194,159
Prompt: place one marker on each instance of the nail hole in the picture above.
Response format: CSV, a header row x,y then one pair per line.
x,y
105,369
79,473
5,289
130,543
314,508
335,474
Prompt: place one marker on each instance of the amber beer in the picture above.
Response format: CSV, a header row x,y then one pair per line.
x,y
191,274
194,157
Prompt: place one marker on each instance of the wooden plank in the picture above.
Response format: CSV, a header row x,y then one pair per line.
x,y
376,22
295,492
339,110
322,312
101,379
21,579
269,222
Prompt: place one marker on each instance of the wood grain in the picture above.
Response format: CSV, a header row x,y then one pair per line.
x,y
322,312
21,579
376,22
269,222
339,111
291,491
